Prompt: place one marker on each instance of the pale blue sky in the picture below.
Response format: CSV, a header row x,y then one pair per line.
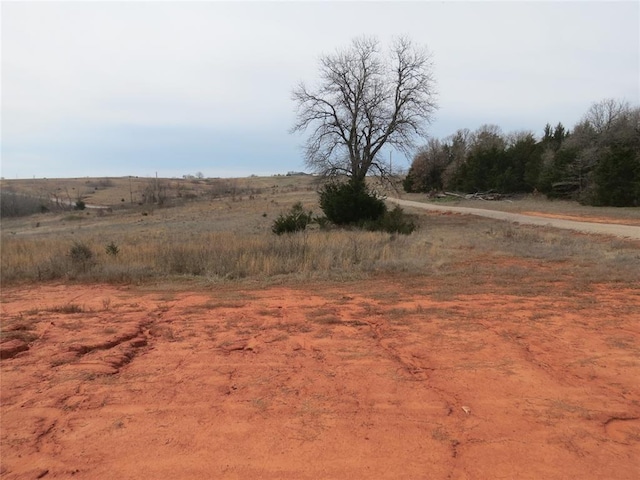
x,y
123,88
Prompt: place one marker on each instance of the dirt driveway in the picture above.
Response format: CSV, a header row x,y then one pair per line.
x,y
596,225
401,381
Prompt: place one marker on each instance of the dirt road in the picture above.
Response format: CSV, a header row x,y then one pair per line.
x,y
618,230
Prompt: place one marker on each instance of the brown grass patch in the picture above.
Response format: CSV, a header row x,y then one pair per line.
x,y
226,238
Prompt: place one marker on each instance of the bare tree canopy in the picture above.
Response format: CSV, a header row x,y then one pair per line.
x,y
604,114
364,101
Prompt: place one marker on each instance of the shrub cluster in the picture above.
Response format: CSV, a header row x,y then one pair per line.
x,y
294,221
393,221
352,203
81,256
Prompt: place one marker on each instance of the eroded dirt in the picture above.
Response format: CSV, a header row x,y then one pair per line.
x,y
394,378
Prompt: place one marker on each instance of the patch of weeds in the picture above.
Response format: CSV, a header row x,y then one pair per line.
x,y
328,320
398,313
232,323
112,249
106,304
72,218
72,326
323,333
23,335
211,331
304,328
320,312
163,308
212,305
269,312
170,336
279,338
192,309
68,309
167,297
56,362
620,342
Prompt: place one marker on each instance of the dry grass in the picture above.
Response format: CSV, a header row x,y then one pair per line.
x,y
228,238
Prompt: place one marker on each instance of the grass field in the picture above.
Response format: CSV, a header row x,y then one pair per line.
x,y
219,229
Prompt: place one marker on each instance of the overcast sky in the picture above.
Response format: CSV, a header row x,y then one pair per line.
x,y
106,88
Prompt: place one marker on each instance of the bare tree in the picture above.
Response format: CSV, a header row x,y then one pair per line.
x,y
602,115
364,101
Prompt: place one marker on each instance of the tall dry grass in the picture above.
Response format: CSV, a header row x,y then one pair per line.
x,y
230,238
462,246
217,255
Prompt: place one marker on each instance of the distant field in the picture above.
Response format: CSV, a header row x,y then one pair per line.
x,y
127,191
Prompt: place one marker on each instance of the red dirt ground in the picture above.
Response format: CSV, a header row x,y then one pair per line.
x,y
388,379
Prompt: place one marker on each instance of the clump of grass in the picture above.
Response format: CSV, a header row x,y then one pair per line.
x,y
72,218
112,249
20,329
68,308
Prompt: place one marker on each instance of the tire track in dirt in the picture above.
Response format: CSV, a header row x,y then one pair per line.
x,y
418,369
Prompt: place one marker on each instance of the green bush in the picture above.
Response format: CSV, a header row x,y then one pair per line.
x,y
350,203
394,221
294,221
81,256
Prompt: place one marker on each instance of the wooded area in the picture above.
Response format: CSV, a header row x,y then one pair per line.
x,y
597,163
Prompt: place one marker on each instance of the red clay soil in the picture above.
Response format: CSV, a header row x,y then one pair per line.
x,y
390,379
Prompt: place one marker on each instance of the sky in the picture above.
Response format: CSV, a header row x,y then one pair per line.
x,y
176,88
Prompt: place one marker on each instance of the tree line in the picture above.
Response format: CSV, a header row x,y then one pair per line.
x,y
596,163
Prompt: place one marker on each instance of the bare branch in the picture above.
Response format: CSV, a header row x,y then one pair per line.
x,y
365,101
